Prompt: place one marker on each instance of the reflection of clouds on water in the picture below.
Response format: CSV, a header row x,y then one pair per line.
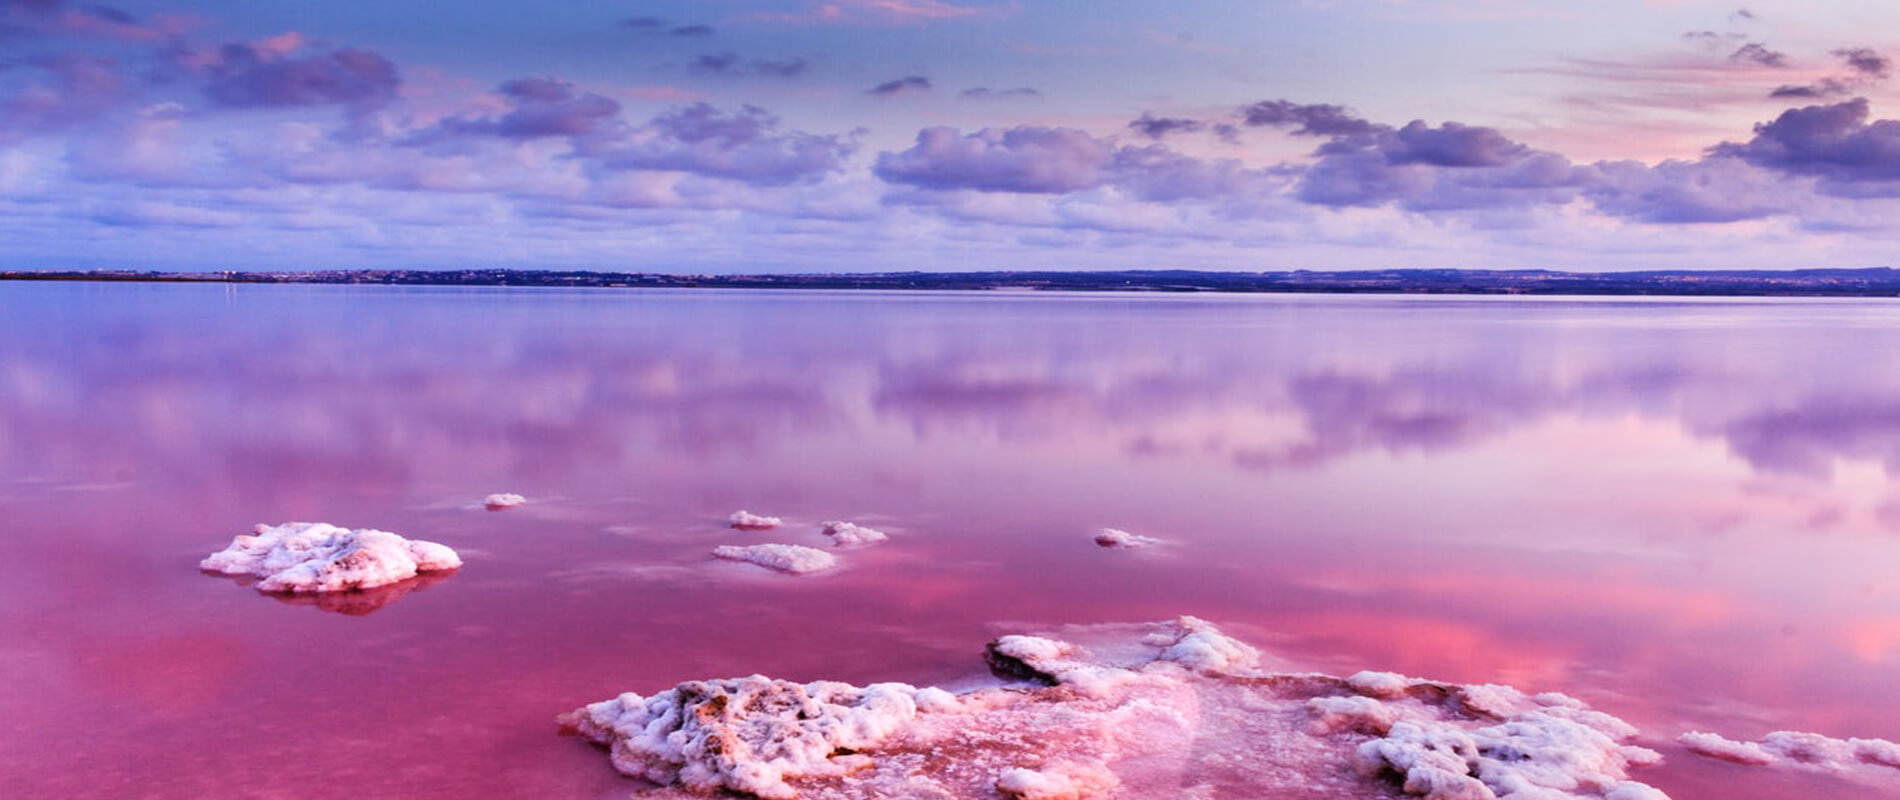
x,y
279,400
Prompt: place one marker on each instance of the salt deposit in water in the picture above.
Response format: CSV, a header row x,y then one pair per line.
x,y
1796,749
792,558
846,534
747,521
1117,538
1174,709
502,501
320,557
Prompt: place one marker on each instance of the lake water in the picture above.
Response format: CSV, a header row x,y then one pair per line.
x,y
1683,512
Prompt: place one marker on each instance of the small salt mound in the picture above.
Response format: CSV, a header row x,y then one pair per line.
x,y
1064,782
748,521
846,534
505,500
1172,709
792,558
319,557
1120,539
1204,648
748,735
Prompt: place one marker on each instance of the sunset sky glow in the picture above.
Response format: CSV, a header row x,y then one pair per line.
x,y
817,135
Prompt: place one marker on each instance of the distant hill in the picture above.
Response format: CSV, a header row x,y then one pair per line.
x,y
1870,282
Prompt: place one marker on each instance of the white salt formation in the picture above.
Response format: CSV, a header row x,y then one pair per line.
x,y
846,534
1117,538
748,521
319,557
792,558
505,500
1174,709
1795,748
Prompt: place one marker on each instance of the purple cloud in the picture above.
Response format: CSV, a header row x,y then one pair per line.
x,y
1866,62
746,146
904,85
1027,158
54,92
1157,128
732,64
1865,67
651,25
1713,190
1156,174
246,76
543,107
1451,145
1305,120
981,92
1452,166
59,18
1835,142
1758,53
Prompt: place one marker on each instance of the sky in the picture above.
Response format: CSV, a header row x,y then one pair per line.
x,y
723,136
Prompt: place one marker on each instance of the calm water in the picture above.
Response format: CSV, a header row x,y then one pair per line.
x,y
1683,512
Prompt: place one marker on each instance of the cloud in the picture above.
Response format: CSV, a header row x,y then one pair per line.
x,y
732,64
1034,160
905,85
1305,120
1834,142
747,145
254,76
1864,68
1713,190
658,25
1157,128
1157,174
55,92
22,18
1865,61
541,107
1027,158
1758,53
1424,167
873,12
983,92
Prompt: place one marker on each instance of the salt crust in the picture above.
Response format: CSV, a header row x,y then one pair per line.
x,y
747,521
846,534
792,558
1120,539
503,500
1795,748
320,557
1172,709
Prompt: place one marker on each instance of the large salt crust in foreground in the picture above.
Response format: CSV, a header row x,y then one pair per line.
x,y
319,557
1175,710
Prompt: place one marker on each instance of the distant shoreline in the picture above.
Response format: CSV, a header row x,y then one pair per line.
x,y
1867,282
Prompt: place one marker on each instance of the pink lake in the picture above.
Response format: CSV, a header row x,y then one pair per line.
x,y
1682,512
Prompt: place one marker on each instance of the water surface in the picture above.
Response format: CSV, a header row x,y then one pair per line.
x,y
1680,511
